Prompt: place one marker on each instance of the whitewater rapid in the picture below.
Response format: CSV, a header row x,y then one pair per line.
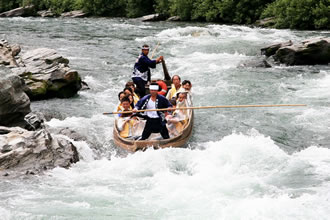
x,y
239,163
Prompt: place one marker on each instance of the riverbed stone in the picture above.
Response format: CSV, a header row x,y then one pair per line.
x,y
8,53
48,75
152,17
46,13
308,52
32,152
14,103
74,14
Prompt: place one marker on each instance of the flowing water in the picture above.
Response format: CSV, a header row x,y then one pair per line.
x,y
260,163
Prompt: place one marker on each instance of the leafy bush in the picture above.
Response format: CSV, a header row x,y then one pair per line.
x,y
111,8
6,5
297,14
137,8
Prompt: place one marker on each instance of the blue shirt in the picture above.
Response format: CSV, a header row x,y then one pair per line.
x,y
142,67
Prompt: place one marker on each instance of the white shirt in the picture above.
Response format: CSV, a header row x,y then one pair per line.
x,y
152,105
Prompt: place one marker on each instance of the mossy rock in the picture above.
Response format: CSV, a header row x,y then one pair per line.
x,y
37,90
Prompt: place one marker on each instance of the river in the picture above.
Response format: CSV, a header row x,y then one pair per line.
x,y
256,163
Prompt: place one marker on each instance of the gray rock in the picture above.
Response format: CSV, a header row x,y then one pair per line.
x,y
32,152
46,13
174,18
19,12
152,17
271,49
74,14
257,62
309,52
266,22
47,75
14,103
34,121
8,53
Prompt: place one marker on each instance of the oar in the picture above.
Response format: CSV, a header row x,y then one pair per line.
x,y
208,107
166,74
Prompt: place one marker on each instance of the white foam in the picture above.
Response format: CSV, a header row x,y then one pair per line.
x,y
241,175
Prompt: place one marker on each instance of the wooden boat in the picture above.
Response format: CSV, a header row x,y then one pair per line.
x,y
176,141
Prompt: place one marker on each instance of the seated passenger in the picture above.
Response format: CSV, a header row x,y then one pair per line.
x,y
125,123
181,102
178,119
128,91
132,86
119,107
176,85
186,87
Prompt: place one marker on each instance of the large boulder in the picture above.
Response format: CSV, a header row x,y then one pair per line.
x,y
31,152
309,52
14,103
20,12
47,75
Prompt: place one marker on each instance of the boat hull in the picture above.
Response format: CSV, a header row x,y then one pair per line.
x,y
177,141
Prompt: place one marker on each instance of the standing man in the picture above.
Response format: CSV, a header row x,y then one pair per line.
x,y
155,119
141,73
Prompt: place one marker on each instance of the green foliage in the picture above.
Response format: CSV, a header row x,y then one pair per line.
x,y
241,11
162,7
182,8
297,14
206,10
111,8
138,8
6,5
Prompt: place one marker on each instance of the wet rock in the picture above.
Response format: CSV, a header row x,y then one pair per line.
x,y
152,17
271,49
308,52
72,134
266,22
257,62
47,75
20,12
46,14
34,121
74,14
23,151
8,53
14,103
174,18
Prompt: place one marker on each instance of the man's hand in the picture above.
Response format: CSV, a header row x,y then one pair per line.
x,y
159,59
134,110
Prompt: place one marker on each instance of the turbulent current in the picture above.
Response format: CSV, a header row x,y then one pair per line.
x,y
260,163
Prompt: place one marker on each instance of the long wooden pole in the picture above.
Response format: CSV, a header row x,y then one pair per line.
x,y
209,107
153,52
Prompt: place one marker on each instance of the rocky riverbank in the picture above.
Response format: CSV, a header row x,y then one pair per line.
x,y
46,73
26,145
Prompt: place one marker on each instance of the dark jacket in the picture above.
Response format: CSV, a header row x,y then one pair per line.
x,y
161,102
142,67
